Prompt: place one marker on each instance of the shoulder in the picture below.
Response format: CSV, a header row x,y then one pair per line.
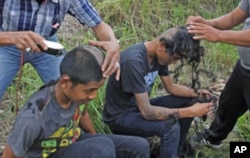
x,y
134,52
84,11
36,103
136,47
23,134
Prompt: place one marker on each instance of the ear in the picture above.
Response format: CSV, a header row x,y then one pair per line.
x,y
167,43
162,44
65,81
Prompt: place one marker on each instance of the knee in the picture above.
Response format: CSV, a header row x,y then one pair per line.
x,y
103,147
142,145
135,147
171,132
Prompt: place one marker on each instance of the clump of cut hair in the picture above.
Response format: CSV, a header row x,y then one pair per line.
x,y
83,64
178,41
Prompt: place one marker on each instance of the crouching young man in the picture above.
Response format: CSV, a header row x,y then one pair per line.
x,y
130,110
52,122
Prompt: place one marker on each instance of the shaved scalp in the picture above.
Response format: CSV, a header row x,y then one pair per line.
x,y
169,33
83,64
96,52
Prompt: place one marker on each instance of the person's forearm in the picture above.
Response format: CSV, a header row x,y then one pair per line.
x,y
228,21
162,113
86,123
5,38
151,112
185,112
237,38
224,22
104,32
159,113
182,91
7,153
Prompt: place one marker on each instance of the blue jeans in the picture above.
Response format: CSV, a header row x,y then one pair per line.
x,y
172,132
46,65
105,146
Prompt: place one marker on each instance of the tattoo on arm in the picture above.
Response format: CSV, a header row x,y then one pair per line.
x,y
155,112
162,113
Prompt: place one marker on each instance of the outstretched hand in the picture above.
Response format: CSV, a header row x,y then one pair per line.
x,y
112,59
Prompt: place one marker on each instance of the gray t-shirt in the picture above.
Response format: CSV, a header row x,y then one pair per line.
x,y
244,52
39,119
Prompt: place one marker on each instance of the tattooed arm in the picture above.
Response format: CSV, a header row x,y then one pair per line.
x,y
150,112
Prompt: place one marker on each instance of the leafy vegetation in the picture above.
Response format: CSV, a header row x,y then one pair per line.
x,y
136,21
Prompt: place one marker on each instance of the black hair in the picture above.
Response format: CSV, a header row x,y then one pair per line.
x,y
83,64
179,41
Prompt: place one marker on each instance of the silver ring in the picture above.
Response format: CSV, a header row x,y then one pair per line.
x,y
28,49
117,65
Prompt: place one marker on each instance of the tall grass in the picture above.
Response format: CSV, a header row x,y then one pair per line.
x,y
135,21
243,127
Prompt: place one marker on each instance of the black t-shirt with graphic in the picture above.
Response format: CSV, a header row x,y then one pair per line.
x,y
137,76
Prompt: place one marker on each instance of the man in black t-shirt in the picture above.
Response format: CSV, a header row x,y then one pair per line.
x,y
129,109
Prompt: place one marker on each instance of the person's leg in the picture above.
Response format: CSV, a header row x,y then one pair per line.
x,y
130,146
232,104
176,102
132,123
10,60
246,88
89,147
47,66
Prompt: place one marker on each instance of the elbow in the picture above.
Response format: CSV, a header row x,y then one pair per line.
x,y
144,114
147,115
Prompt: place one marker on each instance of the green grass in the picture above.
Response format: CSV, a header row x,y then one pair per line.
x,y
243,127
